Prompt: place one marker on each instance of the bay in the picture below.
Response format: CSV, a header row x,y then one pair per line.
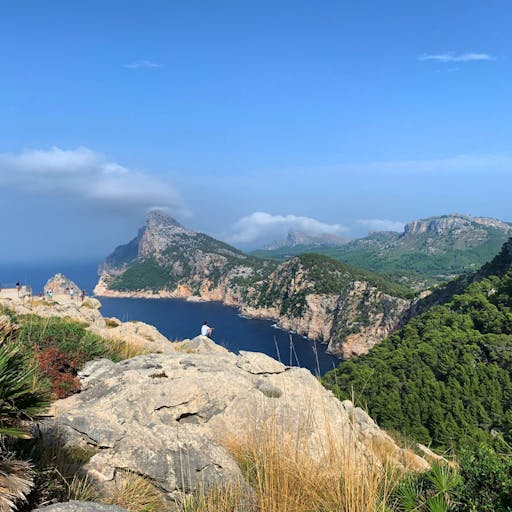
x,y
178,319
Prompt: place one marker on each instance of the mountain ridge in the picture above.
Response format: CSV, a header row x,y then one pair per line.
x,y
429,251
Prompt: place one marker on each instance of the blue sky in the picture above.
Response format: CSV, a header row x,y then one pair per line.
x,y
341,116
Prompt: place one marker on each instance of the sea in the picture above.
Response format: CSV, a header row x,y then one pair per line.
x,y
178,319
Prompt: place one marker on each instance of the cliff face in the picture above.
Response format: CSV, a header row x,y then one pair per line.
x,y
313,295
456,224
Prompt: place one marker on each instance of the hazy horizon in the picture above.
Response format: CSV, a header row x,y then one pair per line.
x,y
247,120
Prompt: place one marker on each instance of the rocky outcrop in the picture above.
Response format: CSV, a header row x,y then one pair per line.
x,y
364,317
87,312
350,315
168,418
59,284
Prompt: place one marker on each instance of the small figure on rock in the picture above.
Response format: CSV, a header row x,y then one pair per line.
x,y
82,295
18,288
71,293
206,330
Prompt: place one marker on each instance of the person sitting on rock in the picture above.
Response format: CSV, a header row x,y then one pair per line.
x,y
206,330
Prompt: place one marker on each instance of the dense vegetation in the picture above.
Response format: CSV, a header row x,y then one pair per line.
x,y
331,276
144,275
445,378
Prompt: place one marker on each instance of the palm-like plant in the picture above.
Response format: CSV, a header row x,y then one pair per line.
x,y
431,492
21,397
15,481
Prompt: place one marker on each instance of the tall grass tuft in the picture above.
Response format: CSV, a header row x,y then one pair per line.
x,y
137,494
286,476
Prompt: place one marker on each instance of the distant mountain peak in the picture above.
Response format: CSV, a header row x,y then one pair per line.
x,y
158,218
303,238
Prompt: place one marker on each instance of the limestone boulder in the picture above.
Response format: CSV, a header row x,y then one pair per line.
x,y
167,416
139,334
59,284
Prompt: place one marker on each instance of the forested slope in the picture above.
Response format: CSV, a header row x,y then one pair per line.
x,y
446,377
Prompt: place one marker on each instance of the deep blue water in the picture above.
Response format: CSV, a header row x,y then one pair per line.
x,y
179,319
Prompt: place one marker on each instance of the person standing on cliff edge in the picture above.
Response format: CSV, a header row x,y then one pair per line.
x,y
206,330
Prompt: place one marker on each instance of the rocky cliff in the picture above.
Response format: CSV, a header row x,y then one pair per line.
x,y
311,294
325,300
87,312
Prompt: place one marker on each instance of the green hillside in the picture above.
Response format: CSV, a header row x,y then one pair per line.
x,y
446,377
419,258
330,275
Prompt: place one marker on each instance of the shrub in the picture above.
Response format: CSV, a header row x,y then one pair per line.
x,y
487,480
69,337
60,370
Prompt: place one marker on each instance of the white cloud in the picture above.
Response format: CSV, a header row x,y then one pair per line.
x,y
463,57
85,175
261,225
142,64
381,225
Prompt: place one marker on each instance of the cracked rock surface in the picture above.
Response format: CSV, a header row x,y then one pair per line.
x,y
165,416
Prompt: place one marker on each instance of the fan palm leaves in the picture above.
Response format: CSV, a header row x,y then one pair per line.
x,y
20,396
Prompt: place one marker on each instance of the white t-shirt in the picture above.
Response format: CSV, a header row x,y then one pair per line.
x,y
204,330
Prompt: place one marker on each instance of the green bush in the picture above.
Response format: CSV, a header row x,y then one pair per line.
x,y
486,480
69,337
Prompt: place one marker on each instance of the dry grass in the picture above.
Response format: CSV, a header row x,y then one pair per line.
x,y
182,346
218,499
59,468
137,494
285,476
118,349
82,488
36,302
111,323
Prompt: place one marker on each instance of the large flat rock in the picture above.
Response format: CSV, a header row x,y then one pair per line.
x,y
165,416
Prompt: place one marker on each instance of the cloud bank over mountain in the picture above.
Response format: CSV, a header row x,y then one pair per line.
x,y
263,226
